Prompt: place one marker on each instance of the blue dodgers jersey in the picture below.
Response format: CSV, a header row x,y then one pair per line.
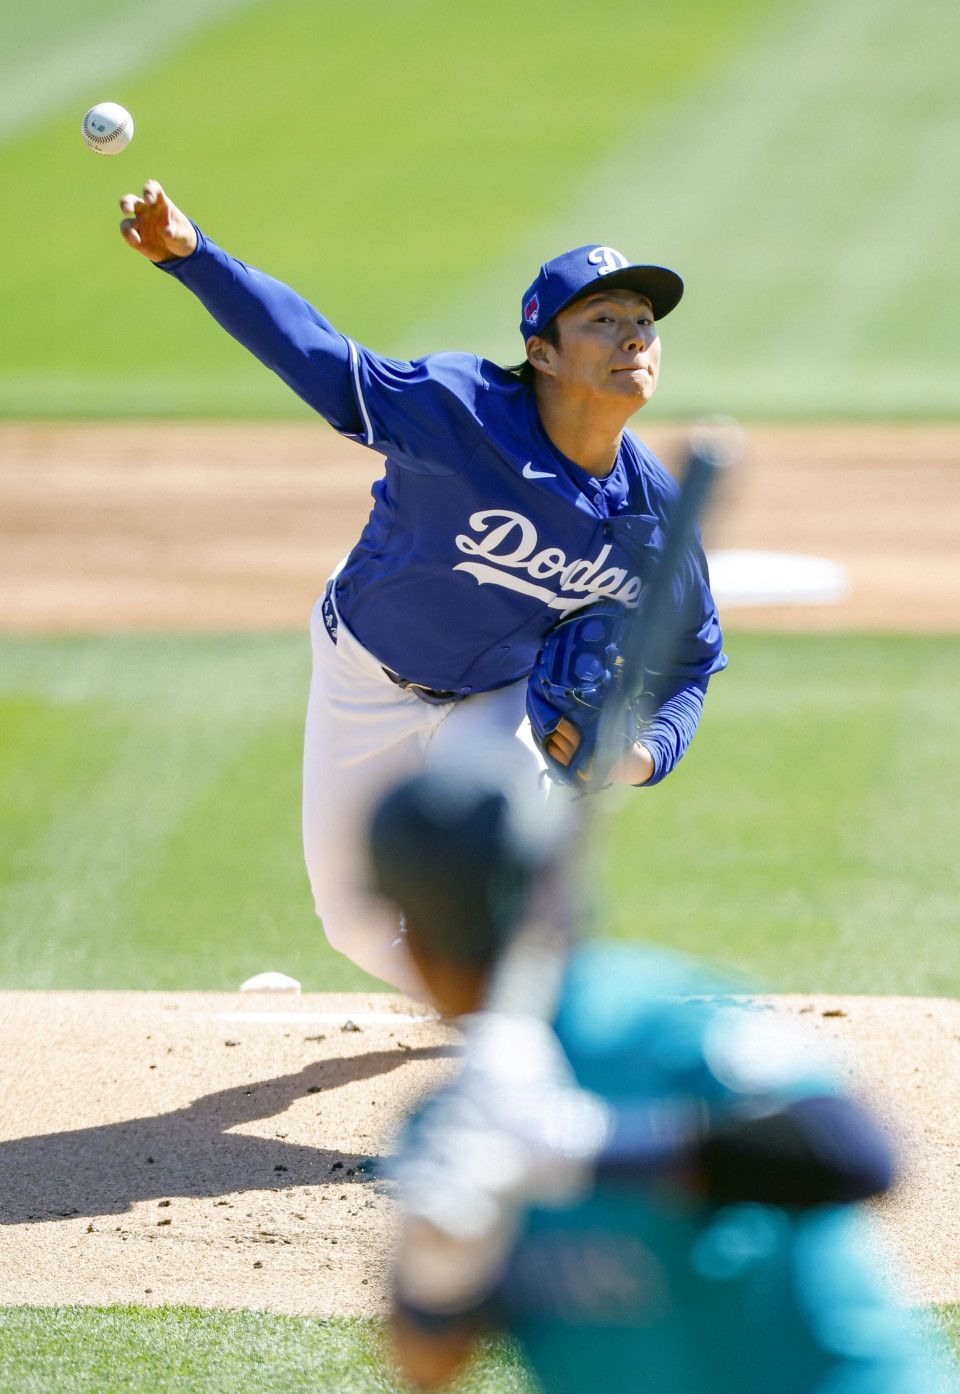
x,y
638,1288
482,534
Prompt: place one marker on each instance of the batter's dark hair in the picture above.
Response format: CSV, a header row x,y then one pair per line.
x,y
525,371
460,862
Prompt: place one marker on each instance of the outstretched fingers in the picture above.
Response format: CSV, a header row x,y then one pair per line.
x,y
153,194
143,212
154,225
128,228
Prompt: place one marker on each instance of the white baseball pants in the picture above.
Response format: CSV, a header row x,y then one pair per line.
x,y
363,735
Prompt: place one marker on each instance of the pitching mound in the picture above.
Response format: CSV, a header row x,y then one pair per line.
x,y
216,1149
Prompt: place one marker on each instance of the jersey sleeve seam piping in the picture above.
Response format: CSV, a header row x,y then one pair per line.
x,y
358,391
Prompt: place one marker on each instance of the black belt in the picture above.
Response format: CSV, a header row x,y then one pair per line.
x,y
329,612
432,695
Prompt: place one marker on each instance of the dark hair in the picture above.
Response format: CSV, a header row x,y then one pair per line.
x,y
525,371
461,859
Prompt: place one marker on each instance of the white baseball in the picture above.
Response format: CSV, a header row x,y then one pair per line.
x,y
107,128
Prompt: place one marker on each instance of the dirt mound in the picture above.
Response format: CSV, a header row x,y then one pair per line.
x,y
222,1151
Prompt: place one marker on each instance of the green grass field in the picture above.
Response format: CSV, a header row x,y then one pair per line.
x,y
149,818
178,1350
409,166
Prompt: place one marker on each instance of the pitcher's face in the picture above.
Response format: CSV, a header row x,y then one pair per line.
x,y
608,345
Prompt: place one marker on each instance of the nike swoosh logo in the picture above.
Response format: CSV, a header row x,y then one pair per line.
x,y
530,473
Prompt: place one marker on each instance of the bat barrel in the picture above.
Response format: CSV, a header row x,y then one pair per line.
x,y
653,636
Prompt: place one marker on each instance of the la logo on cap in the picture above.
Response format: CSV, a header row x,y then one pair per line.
x,y
607,259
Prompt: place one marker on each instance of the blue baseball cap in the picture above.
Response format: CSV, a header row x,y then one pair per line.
x,y
567,277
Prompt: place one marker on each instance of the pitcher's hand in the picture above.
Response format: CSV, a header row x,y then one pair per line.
x,y
636,766
155,227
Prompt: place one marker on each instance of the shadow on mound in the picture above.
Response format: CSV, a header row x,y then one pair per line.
x,y
187,1152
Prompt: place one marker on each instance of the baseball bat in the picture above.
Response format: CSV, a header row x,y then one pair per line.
x,y
529,972
655,626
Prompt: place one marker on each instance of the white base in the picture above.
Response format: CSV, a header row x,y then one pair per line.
x,y
270,982
742,576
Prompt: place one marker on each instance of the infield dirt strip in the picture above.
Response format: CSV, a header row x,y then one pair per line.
x,y
159,525
208,1149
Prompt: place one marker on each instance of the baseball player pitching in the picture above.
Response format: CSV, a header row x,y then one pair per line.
x,y
515,524
651,1188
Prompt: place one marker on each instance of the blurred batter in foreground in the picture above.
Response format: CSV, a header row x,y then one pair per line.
x,y
655,1190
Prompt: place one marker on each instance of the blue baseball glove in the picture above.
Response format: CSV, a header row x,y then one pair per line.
x,y
578,671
